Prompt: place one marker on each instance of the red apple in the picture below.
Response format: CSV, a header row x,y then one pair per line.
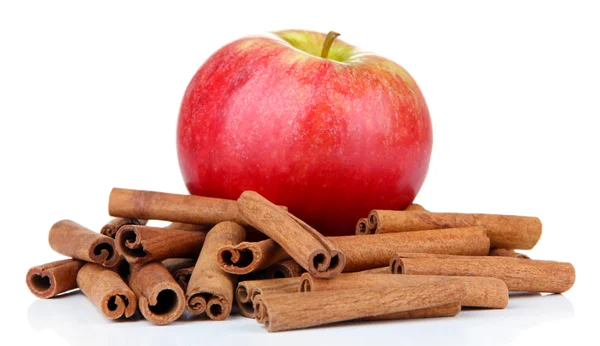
x,y
331,138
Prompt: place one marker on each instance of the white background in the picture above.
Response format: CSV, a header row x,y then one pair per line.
x,y
89,97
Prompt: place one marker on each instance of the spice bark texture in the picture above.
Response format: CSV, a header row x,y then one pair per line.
x,y
300,310
507,253
482,292
141,244
248,257
284,269
304,244
210,289
172,207
107,291
504,231
111,228
247,290
72,239
50,279
518,274
376,250
160,299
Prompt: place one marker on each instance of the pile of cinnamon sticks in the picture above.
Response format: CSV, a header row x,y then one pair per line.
x,y
401,264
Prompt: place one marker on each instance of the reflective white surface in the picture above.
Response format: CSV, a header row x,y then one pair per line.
x,y
76,321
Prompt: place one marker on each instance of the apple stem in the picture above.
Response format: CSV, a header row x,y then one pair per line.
x,y
331,36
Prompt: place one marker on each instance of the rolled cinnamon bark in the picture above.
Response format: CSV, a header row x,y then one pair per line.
x,y
210,289
507,253
160,298
300,310
382,270
284,269
303,243
107,291
50,279
483,292
362,227
174,264
141,244
111,228
72,239
376,250
187,227
182,276
172,207
519,275
504,231
248,257
247,290
414,207
448,310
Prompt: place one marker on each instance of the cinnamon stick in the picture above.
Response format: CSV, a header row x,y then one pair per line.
x,y
187,227
519,275
362,227
72,239
111,228
448,310
381,270
300,310
415,207
507,253
141,244
107,291
376,250
504,231
174,264
50,279
303,243
247,290
210,289
248,257
172,207
182,276
484,292
160,299
284,269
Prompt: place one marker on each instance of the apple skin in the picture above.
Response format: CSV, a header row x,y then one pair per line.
x,y
329,139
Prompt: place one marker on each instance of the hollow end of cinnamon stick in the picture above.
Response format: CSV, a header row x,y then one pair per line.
x,y
130,245
306,283
396,265
42,286
325,265
216,305
362,227
238,260
164,306
116,305
244,300
103,252
373,220
112,227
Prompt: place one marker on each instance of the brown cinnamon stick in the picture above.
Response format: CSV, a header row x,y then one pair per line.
x,y
284,269
174,264
160,298
111,228
415,207
519,275
304,244
210,289
507,253
381,270
447,310
248,257
300,310
362,227
504,231
187,227
182,276
247,290
376,250
172,207
107,291
141,244
484,292
72,239
50,279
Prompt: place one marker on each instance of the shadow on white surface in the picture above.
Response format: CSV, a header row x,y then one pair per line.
x,y
76,320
